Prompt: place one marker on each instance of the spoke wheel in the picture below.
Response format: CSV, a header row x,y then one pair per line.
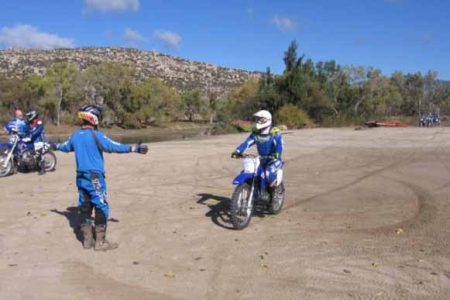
x,y
240,210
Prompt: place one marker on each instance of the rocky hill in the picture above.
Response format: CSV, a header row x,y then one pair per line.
x,y
177,72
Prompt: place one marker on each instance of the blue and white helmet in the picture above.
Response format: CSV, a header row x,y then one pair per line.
x,y
263,119
90,113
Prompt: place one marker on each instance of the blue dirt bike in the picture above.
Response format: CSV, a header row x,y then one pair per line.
x,y
22,155
248,196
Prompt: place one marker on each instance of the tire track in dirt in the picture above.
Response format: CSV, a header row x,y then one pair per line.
x,y
424,211
409,157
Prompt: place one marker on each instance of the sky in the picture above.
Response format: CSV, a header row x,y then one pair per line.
x,y
392,35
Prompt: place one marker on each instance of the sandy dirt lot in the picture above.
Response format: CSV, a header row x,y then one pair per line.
x,y
367,216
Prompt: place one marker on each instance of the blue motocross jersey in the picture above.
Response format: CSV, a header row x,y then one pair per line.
x,y
266,144
18,125
89,146
37,132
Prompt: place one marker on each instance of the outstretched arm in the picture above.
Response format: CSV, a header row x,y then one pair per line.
x,y
108,145
67,146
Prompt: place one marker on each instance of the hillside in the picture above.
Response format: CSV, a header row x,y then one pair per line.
x,y
177,72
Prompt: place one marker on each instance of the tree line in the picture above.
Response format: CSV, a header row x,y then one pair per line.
x,y
328,94
306,93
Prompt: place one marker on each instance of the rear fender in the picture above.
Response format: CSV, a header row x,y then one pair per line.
x,y
242,178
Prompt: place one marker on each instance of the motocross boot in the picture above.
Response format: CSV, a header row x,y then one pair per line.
x,y
41,168
101,243
88,237
264,195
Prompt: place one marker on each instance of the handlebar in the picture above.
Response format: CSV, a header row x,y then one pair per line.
x,y
245,155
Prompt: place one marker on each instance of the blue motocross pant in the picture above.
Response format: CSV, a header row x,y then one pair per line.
x,y
92,196
272,172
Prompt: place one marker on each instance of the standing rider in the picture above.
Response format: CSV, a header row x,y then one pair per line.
x,y
89,144
269,144
17,125
37,136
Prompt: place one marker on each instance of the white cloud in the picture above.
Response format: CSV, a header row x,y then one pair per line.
x,y
26,36
284,24
105,6
133,37
170,40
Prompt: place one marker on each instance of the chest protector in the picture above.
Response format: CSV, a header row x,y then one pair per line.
x,y
266,143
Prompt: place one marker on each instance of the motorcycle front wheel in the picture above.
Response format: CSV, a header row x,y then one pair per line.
x,y
5,170
49,161
277,199
240,213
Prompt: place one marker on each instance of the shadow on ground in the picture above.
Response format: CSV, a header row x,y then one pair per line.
x,y
220,209
219,212
71,214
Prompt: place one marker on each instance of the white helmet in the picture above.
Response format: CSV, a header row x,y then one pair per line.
x,y
263,119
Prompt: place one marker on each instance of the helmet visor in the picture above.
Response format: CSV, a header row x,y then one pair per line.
x,y
261,120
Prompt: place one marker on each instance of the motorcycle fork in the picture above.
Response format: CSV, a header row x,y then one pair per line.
x,y
250,196
5,163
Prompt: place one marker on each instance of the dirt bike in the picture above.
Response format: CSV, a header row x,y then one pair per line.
x,y
22,155
248,195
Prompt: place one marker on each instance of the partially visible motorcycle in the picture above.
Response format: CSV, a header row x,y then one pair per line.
x,y
247,194
22,155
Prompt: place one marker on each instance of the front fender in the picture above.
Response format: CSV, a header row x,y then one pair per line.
x,y
243,177
5,147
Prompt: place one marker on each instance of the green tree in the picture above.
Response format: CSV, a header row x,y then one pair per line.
x,y
57,85
152,102
193,103
108,84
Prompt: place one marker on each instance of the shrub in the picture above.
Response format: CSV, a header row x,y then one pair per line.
x,y
294,117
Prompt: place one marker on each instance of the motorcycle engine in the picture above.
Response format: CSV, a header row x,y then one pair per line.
x,y
27,160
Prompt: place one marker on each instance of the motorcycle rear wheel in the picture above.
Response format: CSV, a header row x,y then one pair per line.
x,y
49,160
240,214
5,171
277,200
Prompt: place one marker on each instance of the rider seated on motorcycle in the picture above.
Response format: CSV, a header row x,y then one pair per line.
x,y
269,144
89,143
17,125
37,136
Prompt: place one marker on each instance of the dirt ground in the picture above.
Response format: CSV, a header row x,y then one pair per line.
x,y
367,216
